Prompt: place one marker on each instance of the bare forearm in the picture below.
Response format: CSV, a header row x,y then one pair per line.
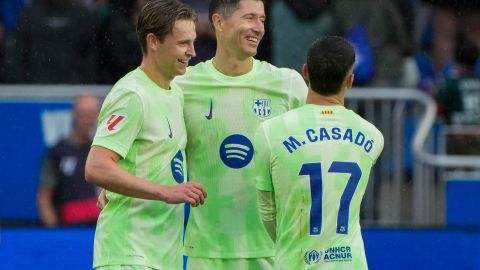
x,y
102,169
110,176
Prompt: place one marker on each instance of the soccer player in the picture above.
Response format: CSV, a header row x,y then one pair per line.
x,y
313,165
226,98
138,150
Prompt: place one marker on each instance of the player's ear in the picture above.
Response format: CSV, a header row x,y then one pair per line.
x,y
350,79
217,21
305,72
152,41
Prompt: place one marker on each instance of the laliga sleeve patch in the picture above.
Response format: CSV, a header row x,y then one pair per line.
x,y
115,122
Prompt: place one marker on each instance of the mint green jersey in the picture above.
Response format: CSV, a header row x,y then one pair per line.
x,y
317,161
221,116
143,123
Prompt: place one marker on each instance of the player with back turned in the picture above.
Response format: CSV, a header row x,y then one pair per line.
x,y
313,165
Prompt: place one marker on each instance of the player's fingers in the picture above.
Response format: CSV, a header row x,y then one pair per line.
x,y
193,193
194,196
200,195
199,187
203,193
191,201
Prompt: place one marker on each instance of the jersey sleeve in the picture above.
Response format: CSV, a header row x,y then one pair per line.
x,y
298,90
263,176
120,121
268,212
379,143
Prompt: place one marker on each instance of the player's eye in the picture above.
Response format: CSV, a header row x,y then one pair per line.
x,y
249,17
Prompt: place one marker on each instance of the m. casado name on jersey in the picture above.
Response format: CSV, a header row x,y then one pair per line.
x,y
323,134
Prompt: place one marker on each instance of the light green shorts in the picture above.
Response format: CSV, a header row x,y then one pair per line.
x,y
230,264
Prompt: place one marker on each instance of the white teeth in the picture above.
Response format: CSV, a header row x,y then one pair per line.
x,y
253,39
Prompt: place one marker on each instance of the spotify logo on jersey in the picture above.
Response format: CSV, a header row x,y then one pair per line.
x,y
236,151
177,167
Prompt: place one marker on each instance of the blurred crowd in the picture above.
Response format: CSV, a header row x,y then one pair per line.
x,y
77,41
431,45
400,42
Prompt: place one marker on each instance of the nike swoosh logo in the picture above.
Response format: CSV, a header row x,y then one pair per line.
x,y
170,133
210,115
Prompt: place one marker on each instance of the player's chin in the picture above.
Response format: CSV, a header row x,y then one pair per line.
x,y
251,51
181,70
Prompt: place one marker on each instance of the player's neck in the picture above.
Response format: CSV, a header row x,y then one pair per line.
x,y
317,99
231,65
155,75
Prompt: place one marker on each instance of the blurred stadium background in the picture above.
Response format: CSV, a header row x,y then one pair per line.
x,y
420,210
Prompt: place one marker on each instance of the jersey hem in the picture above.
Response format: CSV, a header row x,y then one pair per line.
x,y
122,262
262,254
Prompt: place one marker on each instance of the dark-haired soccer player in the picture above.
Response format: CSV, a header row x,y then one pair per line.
x,y
313,165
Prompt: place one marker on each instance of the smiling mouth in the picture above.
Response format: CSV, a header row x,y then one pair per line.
x,y
185,62
253,39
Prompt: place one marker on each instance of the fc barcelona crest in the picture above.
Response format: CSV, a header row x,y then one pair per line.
x,y
261,107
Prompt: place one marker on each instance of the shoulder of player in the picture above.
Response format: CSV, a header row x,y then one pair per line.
x,y
129,85
135,88
125,90
280,72
187,81
281,118
366,124
192,71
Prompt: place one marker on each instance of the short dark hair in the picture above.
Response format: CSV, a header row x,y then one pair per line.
x,y
223,7
159,17
328,61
